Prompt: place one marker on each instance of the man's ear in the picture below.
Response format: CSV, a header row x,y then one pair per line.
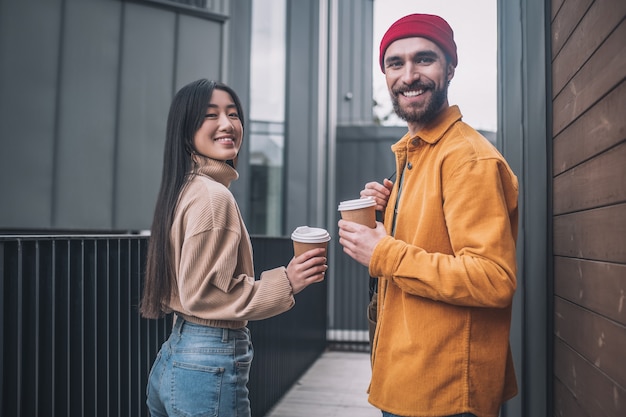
x,y
450,74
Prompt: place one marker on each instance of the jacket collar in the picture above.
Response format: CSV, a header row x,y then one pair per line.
x,y
434,131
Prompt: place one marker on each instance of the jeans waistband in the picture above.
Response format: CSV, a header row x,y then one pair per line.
x,y
182,326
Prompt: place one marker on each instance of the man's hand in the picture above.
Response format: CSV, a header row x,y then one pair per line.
x,y
379,192
359,241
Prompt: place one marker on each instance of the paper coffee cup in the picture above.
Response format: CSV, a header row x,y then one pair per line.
x,y
306,238
361,210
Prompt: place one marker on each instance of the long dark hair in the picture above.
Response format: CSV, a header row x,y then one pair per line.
x,y
186,115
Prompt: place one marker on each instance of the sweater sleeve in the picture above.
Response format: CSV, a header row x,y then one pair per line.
x,y
209,288
215,276
480,211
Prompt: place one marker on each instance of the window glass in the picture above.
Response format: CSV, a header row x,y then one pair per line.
x,y
266,130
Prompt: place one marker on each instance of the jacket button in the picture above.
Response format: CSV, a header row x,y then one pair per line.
x,y
409,165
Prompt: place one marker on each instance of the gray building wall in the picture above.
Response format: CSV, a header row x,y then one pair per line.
x,y
523,87
85,88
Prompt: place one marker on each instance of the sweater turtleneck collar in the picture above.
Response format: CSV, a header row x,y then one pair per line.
x,y
220,171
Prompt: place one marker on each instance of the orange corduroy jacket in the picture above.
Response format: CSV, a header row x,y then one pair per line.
x,y
446,277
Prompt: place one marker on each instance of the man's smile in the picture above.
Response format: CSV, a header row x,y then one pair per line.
x,y
412,93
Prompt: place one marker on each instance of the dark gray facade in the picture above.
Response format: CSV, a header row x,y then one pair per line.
x,y
523,121
85,88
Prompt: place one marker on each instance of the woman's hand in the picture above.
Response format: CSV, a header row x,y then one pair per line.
x,y
379,192
306,269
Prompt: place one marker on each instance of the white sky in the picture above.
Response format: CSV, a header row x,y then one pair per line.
x,y
474,86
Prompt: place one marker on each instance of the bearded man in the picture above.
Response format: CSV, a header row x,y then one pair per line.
x,y
445,254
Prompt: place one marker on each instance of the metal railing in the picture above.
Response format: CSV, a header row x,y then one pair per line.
x,y
73,344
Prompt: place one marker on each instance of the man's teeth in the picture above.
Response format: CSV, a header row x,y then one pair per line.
x,y
412,93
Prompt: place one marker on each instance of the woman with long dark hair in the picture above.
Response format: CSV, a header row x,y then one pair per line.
x,y
199,263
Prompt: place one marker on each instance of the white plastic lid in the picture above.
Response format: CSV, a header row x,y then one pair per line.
x,y
306,234
359,203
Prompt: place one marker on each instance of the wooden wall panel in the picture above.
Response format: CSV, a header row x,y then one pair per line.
x,y
598,234
599,340
596,286
598,129
565,21
596,394
604,70
589,207
555,6
565,403
598,182
598,22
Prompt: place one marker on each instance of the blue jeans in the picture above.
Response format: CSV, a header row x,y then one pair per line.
x,y
386,414
201,371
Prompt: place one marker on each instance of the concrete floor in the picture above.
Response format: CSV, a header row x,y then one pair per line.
x,y
335,386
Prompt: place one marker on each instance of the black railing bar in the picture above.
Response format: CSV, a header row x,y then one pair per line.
x,y
18,330
97,236
37,316
53,322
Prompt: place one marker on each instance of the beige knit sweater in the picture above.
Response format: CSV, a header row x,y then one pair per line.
x,y
215,282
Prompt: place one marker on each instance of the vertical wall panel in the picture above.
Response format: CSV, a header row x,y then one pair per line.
x,y
29,48
89,70
146,90
354,89
301,115
239,27
523,52
363,155
199,51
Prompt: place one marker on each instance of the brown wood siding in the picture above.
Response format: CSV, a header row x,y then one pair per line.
x,y
592,390
599,75
597,182
598,129
589,206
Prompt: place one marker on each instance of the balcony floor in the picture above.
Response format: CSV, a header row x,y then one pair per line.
x,y
335,386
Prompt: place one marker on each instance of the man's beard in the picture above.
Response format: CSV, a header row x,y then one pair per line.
x,y
425,115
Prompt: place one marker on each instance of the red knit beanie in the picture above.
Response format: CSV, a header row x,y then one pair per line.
x,y
428,26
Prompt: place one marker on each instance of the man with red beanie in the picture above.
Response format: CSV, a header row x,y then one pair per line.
x,y
445,253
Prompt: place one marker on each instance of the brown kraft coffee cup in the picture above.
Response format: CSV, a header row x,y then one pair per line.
x,y
306,238
361,210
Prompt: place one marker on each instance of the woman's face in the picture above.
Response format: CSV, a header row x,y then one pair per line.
x,y
221,133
